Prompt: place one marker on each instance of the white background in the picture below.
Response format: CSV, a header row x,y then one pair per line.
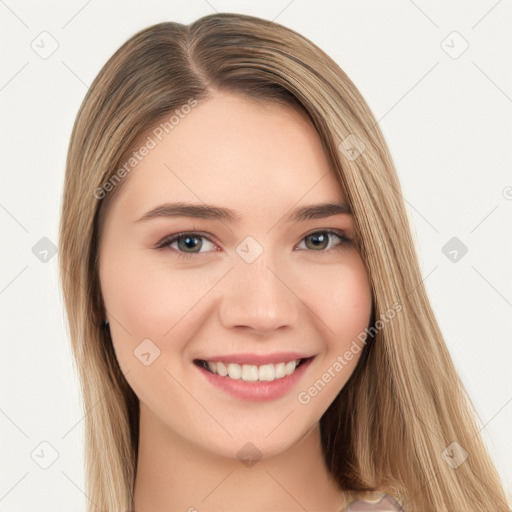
x,y
448,123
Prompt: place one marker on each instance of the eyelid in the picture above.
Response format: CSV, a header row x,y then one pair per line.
x,y
164,243
340,233
170,239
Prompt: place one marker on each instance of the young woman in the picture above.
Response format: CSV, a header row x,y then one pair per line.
x,y
244,298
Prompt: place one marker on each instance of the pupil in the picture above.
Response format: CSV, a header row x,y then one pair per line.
x,y
188,243
322,238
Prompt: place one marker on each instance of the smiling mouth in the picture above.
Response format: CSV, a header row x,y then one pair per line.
x,y
251,372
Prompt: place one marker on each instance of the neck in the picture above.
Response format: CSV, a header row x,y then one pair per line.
x,y
176,475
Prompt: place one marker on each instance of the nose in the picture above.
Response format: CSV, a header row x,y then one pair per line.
x,y
258,298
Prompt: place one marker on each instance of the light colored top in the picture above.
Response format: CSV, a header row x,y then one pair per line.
x,y
381,503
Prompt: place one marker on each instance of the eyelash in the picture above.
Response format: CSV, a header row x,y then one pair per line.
x,y
168,240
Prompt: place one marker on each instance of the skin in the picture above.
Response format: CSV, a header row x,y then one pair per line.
x,y
261,160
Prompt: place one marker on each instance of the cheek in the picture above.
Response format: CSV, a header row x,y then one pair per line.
x,y
150,299
153,299
340,296
342,302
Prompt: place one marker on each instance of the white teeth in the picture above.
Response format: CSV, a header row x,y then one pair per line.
x,y
234,370
251,372
279,370
266,372
221,369
289,367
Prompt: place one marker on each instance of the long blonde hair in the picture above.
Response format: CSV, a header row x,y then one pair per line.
x,y
404,404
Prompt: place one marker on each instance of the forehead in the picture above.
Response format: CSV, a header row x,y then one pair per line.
x,y
233,152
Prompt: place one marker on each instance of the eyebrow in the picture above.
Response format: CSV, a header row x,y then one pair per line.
x,y
211,212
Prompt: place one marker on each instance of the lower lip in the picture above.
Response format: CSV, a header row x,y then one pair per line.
x,y
256,391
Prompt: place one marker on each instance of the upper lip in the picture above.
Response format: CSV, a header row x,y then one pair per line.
x,y
256,359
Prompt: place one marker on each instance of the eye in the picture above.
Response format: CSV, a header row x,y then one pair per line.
x,y
186,244
320,240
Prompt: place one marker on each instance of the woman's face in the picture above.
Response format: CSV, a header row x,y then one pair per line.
x,y
254,290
